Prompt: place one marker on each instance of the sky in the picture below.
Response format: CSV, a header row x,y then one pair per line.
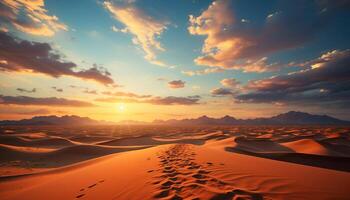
x,y
143,60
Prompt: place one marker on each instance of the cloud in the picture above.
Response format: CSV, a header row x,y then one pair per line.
x,y
169,100
57,89
77,87
25,90
143,27
231,88
115,85
161,79
221,92
125,94
129,97
203,71
87,91
325,80
118,99
123,30
230,82
18,55
20,110
34,112
233,44
176,84
30,17
3,29
194,97
42,101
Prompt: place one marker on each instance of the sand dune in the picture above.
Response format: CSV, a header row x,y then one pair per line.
x,y
91,139
196,138
63,154
180,172
202,163
30,136
302,152
27,149
33,158
78,153
8,153
14,140
132,141
259,145
309,146
337,141
51,142
46,142
151,140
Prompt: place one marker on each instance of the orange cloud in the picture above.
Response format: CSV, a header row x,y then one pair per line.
x,y
176,84
30,17
232,43
229,82
125,94
202,72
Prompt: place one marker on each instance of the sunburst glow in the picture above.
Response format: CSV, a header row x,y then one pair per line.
x,y
121,107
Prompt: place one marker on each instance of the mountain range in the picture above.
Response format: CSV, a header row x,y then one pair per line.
x,y
54,120
289,118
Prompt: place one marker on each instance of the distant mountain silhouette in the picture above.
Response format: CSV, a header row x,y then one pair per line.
x,y
289,118
54,120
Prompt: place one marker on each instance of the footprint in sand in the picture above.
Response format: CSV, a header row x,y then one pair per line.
x,y
238,194
88,187
181,174
79,196
93,185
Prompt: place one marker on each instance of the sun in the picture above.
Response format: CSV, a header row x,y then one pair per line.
x,y
121,107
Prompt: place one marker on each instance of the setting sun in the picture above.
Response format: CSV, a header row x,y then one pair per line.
x,y
121,107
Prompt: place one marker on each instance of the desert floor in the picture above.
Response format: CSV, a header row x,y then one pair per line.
x,y
163,162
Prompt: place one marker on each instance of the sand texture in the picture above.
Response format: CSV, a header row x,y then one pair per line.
x,y
159,162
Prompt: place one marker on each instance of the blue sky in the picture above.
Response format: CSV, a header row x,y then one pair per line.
x,y
243,58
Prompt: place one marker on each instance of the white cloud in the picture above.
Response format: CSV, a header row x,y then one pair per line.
x,y
145,29
123,30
